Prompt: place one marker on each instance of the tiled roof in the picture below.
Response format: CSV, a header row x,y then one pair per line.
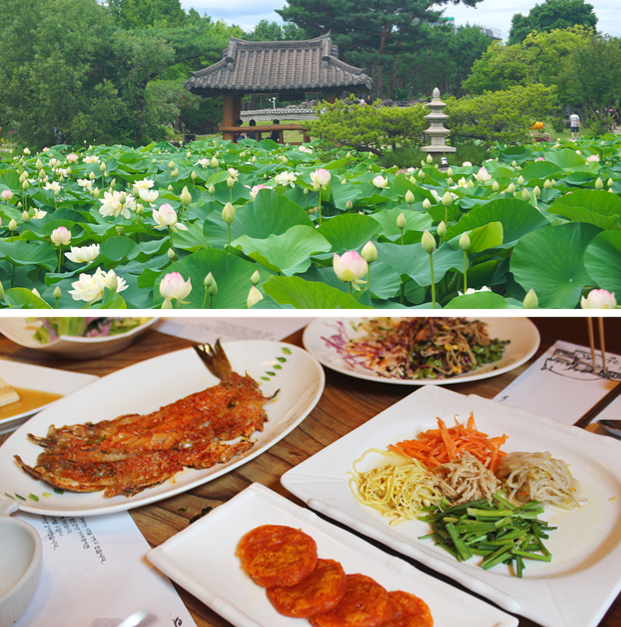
x,y
277,66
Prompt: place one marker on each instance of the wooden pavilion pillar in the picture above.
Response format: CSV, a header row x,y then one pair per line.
x,y
331,97
231,110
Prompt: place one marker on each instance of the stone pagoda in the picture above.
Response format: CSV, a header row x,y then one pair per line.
x,y
436,131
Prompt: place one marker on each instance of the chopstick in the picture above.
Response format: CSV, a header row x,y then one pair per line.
x,y
588,417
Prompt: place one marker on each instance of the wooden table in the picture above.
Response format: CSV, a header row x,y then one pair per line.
x,y
346,404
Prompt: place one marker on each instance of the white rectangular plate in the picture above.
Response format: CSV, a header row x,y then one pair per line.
x,y
202,559
29,377
144,388
583,579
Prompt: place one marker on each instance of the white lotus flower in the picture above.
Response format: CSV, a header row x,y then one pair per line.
x,y
482,175
148,195
599,299
90,287
54,186
39,214
166,217
86,184
285,178
380,182
111,205
144,184
83,254
472,291
91,159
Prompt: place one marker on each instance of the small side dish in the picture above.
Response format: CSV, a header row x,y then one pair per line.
x,y
49,329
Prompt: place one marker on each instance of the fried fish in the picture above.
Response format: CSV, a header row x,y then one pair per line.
x,y
134,452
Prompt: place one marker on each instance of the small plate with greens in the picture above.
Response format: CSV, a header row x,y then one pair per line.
x,y
75,337
421,350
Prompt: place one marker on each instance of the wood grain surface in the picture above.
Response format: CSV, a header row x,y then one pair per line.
x,y
346,404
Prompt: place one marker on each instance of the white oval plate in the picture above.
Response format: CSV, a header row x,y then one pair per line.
x,y
522,333
147,386
20,331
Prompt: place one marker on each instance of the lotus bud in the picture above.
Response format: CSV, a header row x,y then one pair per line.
x,y
520,180
495,186
1,291
421,175
112,281
170,188
450,171
255,278
254,296
599,184
530,300
212,286
7,195
409,197
343,181
185,197
41,173
401,221
96,192
193,176
12,225
56,193
35,291
511,189
349,205
57,293
102,167
228,213
610,183
611,190
214,163
171,165
68,171
369,252
447,199
212,190
514,163
449,180
92,177
122,198
464,241
174,173
412,179
19,204
119,230
547,184
25,216
230,182
426,203
154,160
536,191
429,159
253,160
188,154
171,253
525,195
23,176
39,164
305,191
441,230
470,184
428,242
25,185
422,163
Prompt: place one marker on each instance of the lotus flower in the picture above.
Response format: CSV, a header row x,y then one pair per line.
x,y
285,178
72,157
254,296
350,268
148,195
116,203
166,216
255,190
61,236
83,254
482,175
380,182
6,195
599,299
144,184
593,158
91,287
320,177
173,286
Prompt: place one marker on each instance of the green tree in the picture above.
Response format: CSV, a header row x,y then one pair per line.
x,y
537,59
551,15
132,14
375,33
503,116
273,31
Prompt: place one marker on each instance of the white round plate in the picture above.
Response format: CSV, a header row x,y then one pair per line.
x,y
144,388
20,331
522,334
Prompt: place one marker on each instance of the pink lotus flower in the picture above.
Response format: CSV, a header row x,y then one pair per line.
x,y
173,286
350,268
540,159
599,299
165,216
255,190
72,158
320,177
61,236
6,195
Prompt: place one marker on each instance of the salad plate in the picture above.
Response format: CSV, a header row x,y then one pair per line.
x,y
586,547
202,559
144,388
47,380
325,339
22,331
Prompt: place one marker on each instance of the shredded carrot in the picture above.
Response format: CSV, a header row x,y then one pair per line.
x,y
439,446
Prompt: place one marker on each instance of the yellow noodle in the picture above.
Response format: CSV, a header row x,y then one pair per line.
x,y
396,491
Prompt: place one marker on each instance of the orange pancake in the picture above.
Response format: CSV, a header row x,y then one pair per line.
x,y
321,591
411,611
365,604
275,555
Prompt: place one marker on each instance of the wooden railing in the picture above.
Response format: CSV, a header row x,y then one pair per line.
x,y
229,132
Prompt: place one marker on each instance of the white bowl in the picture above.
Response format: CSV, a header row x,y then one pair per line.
x,y
21,332
20,566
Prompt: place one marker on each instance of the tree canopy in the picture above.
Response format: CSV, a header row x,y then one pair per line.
x,y
551,15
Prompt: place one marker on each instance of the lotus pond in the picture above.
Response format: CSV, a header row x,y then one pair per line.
x,y
222,225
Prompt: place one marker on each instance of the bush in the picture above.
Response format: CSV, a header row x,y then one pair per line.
x,y
503,116
369,128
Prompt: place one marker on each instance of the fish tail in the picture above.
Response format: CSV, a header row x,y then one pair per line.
x,y
215,359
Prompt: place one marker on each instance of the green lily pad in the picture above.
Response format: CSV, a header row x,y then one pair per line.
x,y
25,254
589,205
551,262
22,298
602,259
348,231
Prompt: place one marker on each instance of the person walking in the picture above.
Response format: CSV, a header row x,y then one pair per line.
x,y
574,125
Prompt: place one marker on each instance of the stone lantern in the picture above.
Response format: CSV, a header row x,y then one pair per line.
x,y
436,131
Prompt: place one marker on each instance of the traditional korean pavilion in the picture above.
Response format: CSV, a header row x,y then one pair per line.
x,y
288,68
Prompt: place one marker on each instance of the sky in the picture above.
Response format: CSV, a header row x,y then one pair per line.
x,y
489,13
